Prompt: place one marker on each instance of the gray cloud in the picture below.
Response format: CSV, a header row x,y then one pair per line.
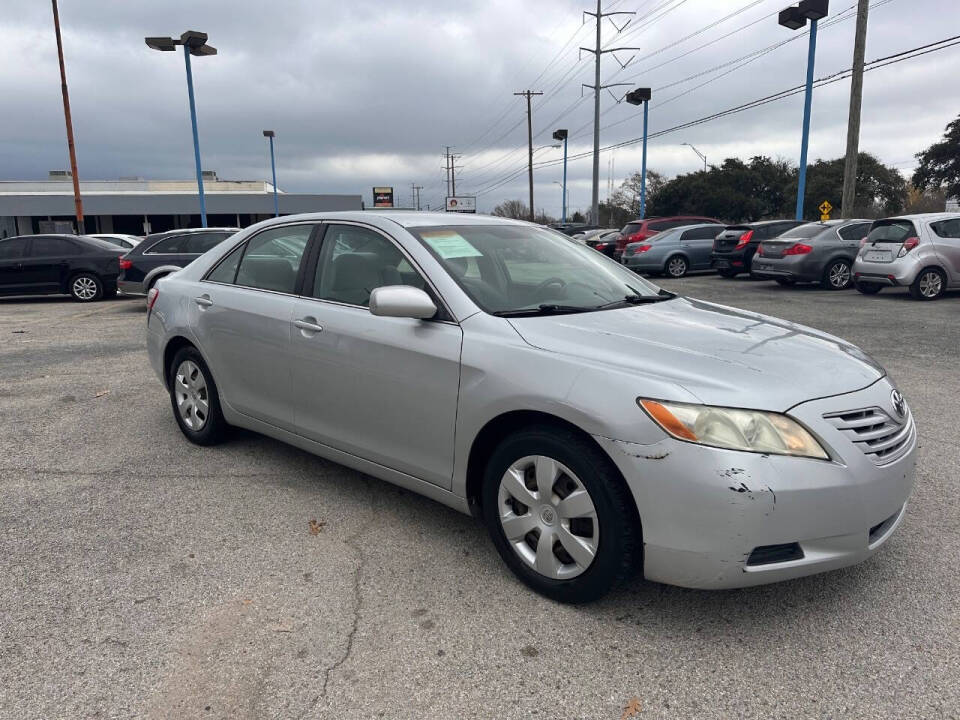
x,y
366,93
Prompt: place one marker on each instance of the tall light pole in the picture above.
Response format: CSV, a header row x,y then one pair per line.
x,y
77,201
194,43
273,166
702,156
562,135
641,96
563,189
795,17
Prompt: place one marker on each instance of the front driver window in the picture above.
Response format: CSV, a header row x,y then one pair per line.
x,y
354,261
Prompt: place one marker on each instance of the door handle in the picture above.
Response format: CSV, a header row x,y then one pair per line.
x,y
203,301
308,325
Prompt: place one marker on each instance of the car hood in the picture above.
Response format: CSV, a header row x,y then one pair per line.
x,y
721,355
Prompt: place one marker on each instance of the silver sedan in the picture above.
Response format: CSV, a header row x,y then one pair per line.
x,y
595,422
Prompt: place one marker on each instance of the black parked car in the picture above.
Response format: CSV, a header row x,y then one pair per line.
x,y
84,268
734,247
163,253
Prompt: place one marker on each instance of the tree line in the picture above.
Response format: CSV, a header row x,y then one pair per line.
x,y
763,188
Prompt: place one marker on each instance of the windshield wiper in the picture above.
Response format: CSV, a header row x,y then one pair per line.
x,y
544,309
638,300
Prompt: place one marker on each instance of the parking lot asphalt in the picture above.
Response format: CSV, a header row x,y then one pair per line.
x,y
141,576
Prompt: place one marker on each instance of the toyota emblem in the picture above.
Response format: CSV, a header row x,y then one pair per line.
x,y
899,404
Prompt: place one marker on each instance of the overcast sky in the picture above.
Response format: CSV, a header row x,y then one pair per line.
x,y
367,92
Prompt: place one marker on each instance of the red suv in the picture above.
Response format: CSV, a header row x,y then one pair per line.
x,y
638,230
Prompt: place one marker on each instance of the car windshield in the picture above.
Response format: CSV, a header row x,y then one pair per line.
x,y
521,270
891,231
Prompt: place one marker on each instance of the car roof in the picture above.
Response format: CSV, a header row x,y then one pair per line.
x,y
408,218
923,216
187,231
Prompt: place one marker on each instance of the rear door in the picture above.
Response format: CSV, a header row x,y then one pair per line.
x,y
12,252
243,310
945,235
698,243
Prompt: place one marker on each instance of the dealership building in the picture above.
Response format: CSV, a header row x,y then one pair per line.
x,y
136,206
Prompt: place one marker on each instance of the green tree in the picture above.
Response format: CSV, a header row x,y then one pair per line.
x,y
881,190
940,163
578,217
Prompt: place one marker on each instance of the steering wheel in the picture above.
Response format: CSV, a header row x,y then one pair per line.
x,y
548,282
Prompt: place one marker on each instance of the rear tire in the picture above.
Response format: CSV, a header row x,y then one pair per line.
x,y
527,482
837,276
930,284
868,288
86,287
195,399
676,266
728,272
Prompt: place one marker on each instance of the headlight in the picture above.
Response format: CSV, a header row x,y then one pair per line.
x,y
735,429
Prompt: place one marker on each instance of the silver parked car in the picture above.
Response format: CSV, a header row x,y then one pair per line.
x,y
594,421
821,252
921,252
673,252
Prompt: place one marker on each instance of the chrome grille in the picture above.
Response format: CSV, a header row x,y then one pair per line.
x,y
877,433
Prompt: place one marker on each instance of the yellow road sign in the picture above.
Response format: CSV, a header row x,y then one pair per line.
x,y
825,207
824,217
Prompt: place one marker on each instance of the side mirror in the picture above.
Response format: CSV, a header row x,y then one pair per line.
x,y
401,301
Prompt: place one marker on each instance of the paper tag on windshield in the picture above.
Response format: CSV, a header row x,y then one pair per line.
x,y
449,244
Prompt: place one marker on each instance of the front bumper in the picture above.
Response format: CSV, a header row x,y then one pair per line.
x,y
704,510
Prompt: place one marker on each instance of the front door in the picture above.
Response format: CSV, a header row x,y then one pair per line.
x,y
243,312
382,388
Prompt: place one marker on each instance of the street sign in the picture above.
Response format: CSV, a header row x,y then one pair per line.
x,y
383,197
825,208
462,203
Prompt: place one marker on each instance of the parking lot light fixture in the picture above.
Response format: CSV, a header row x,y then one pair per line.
x,y
562,135
794,18
700,154
641,96
273,167
194,43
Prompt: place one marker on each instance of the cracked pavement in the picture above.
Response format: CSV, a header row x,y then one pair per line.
x,y
141,576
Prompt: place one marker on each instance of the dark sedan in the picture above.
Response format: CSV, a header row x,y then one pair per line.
x,y
734,247
163,253
83,268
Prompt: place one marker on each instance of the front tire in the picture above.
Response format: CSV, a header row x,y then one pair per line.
x,y
195,399
930,284
837,276
548,484
676,266
86,287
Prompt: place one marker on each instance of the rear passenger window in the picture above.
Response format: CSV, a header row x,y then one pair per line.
x,y
704,233
272,258
52,247
15,248
854,232
199,243
226,271
354,261
947,228
173,245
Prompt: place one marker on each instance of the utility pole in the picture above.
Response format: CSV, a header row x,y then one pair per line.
x,y
447,167
415,194
597,51
853,118
77,201
451,169
528,94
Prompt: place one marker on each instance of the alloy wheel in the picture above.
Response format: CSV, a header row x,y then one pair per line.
x,y
839,275
193,400
677,267
548,517
85,288
931,284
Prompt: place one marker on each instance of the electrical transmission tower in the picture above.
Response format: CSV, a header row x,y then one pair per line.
x,y
415,194
598,52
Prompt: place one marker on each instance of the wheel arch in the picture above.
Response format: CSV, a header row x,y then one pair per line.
x,y
173,346
158,272
677,252
82,270
500,427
